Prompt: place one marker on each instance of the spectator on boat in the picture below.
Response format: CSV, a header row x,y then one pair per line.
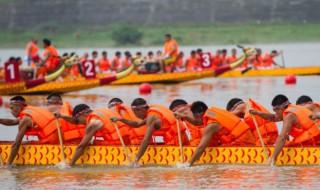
x,y
104,63
171,51
32,52
50,56
158,56
308,103
221,128
150,65
32,121
116,62
192,63
267,129
233,57
296,123
158,122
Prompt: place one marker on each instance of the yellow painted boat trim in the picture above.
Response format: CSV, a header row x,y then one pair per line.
x,y
161,155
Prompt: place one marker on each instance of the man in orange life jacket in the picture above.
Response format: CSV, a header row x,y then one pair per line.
x,y
296,123
51,57
30,119
72,133
160,125
193,132
267,129
308,103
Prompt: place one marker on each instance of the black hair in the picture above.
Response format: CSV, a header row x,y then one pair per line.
x,y
78,108
232,103
104,52
54,95
224,50
94,52
198,107
65,55
199,50
150,53
138,102
193,52
279,100
138,53
18,98
168,35
274,51
46,42
118,53
177,102
303,99
115,100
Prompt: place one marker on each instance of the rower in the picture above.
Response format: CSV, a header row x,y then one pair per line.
x,y
116,62
98,124
159,124
71,132
104,63
171,51
50,56
192,63
268,59
233,57
221,128
308,103
296,123
31,120
194,133
267,129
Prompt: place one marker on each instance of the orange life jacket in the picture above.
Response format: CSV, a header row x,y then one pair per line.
x,y
231,59
267,60
168,130
44,124
104,64
233,130
192,64
108,134
193,132
171,48
268,129
71,133
305,132
126,63
216,60
53,60
258,61
32,49
116,63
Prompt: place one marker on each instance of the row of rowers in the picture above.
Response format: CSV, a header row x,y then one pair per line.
x,y
143,124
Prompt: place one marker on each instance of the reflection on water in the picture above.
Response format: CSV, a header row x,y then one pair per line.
x,y
200,177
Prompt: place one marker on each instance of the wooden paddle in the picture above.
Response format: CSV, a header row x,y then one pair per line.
x,y
180,141
1,161
61,141
265,150
282,59
126,152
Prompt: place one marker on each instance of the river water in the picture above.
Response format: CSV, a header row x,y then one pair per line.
x,y
214,91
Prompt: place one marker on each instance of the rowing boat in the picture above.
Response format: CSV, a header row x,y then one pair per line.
x,y
160,155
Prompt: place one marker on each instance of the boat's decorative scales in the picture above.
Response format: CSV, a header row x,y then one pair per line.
x,y
161,155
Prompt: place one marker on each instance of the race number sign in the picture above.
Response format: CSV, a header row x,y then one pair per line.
x,y
11,71
205,60
89,69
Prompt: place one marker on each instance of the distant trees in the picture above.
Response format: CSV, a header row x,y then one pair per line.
x,y
126,35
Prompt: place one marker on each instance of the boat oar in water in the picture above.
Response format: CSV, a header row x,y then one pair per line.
x,y
265,150
126,151
63,163
180,141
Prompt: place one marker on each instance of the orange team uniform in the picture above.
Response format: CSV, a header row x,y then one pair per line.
x,y
268,129
107,135
72,133
44,124
258,62
32,52
192,64
53,58
126,63
171,48
305,132
244,64
116,63
216,61
233,131
231,59
267,61
104,64
194,133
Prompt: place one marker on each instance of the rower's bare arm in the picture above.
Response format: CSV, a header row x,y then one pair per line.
x,y
288,122
67,118
152,124
210,130
134,124
9,122
266,116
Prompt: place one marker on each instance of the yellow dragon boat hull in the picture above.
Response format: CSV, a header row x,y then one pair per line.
x,y
160,155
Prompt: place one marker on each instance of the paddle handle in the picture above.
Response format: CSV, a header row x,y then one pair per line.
x,y
1,160
180,141
265,150
126,152
61,141
282,59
